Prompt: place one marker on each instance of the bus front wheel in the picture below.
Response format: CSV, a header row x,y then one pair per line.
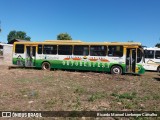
x,y
116,70
46,66
158,69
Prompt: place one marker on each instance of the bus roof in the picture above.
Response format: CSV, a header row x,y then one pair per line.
x,y
66,41
151,48
78,42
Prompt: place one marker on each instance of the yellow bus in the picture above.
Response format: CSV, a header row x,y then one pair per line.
x,y
112,57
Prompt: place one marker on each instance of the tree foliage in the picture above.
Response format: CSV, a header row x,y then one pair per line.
x,y
64,36
18,35
157,45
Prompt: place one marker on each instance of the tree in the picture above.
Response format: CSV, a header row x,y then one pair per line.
x,y
157,45
17,35
64,36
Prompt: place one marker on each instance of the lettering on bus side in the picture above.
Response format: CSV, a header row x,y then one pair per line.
x,y
85,64
48,57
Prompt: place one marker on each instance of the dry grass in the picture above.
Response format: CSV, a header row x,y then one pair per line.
x,y
37,90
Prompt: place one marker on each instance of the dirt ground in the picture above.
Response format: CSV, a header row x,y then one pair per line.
x,y
37,90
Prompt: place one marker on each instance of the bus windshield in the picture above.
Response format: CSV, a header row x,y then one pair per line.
x,y
140,55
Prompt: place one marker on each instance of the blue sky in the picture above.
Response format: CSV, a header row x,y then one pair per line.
x,y
86,20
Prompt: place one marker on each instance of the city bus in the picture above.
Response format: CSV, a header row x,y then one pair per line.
x,y
111,57
152,58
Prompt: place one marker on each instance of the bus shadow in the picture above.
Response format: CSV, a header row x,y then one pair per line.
x,y
69,70
20,67
82,71
157,78
132,74
101,72
150,71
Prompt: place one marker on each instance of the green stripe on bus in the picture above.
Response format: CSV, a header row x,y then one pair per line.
x,y
80,65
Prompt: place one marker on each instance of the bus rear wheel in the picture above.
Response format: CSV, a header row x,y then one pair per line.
x,y
116,70
46,66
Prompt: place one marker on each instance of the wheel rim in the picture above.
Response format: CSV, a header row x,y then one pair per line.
x,y
116,70
46,67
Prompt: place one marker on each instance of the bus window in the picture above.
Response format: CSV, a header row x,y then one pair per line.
x,y
81,50
149,53
157,54
50,49
39,49
139,55
34,51
98,50
65,49
115,51
19,48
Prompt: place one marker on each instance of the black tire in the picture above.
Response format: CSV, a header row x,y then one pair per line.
x,y
158,69
116,70
46,66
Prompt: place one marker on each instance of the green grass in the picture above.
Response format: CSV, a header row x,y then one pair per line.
x,y
96,96
127,100
129,96
128,104
29,93
50,103
156,97
79,90
77,104
145,98
27,80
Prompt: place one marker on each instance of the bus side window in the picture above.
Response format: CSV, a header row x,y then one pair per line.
x,y
50,49
34,51
98,50
149,53
81,50
19,48
39,49
157,54
65,49
115,51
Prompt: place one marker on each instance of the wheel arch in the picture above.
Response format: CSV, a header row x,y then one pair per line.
x,y
117,65
46,62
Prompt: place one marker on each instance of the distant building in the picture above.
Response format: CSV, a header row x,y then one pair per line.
x,y
6,54
16,40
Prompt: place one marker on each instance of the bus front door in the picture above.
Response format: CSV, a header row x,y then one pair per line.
x,y
30,56
131,60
